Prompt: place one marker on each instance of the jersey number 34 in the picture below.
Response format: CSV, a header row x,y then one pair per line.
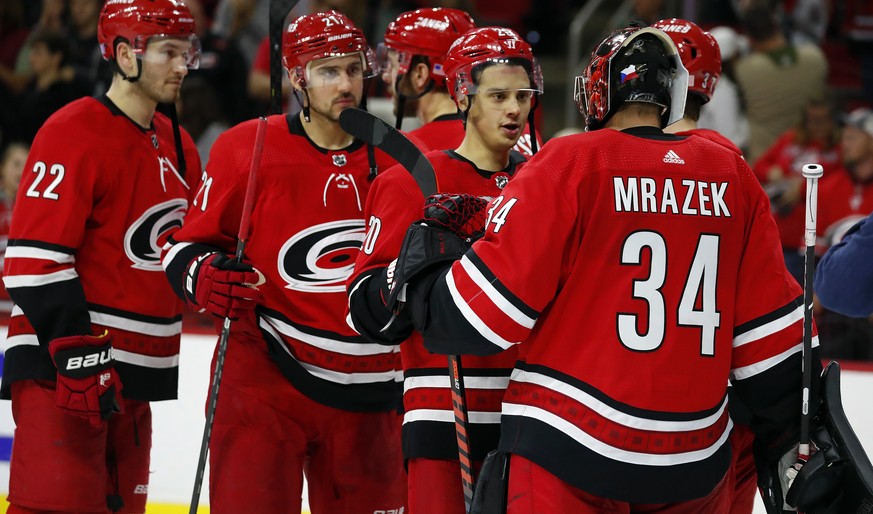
x,y
700,282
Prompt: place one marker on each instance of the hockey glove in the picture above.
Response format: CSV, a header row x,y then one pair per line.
x,y
222,286
463,214
88,385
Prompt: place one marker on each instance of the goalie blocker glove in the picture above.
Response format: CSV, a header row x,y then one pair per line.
x,y
217,283
450,225
88,385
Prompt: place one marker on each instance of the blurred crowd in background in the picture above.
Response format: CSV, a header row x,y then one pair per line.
x,y
796,88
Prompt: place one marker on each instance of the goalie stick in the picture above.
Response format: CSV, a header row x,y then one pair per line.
x,y
812,173
242,237
372,130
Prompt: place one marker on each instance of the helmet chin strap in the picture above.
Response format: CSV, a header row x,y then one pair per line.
x,y
125,76
401,98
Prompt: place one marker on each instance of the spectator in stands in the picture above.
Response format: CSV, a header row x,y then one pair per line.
x,y
776,79
12,36
245,21
725,113
815,139
84,50
845,199
52,85
858,29
222,69
199,116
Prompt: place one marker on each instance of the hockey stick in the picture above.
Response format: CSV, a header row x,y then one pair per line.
x,y
279,9
367,127
242,237
812,172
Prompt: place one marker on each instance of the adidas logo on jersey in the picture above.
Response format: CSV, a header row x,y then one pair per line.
x,y
672,157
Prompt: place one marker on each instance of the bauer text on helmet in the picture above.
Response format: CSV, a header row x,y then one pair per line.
x,y
321,36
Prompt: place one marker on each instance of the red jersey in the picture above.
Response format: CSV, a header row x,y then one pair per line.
x,y
306,231
714,136
637,272
843,202
97,201
788,157
447,132
428,427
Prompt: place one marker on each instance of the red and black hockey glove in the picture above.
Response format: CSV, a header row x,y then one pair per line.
x,y
451,223
88,385
463,214
219,284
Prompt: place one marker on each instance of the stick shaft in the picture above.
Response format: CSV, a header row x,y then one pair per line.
x,y
242,236
462,433
812,172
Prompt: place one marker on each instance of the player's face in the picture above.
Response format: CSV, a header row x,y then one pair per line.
x,y
501,106
857,146
164,66
335,84
12,168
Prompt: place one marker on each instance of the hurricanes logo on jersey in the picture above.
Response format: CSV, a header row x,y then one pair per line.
x,y
319,259
148,234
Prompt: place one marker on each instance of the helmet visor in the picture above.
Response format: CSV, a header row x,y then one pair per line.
x,y
331,71
166,48
467,77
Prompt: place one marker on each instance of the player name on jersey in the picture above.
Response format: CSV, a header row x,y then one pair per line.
x,y
661,196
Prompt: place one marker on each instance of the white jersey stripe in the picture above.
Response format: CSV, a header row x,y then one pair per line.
x,y
324,343
611,452
32,252
172,253
444,381
471,316
448,416
498,299
769,328
16,311
335,376
139,327
13,281
20,340
612,414
761,366
146,361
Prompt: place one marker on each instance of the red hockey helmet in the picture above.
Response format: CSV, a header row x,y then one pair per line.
x,y
427,32
137,21
488,45
323,35
632,64
699,52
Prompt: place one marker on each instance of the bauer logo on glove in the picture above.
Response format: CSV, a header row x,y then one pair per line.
x,y
87,383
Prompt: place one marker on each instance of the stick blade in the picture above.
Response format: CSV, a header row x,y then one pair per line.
x,y
372,130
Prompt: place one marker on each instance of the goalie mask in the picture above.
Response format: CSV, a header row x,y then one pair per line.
x,y
322,36
699,53
137,22
632,65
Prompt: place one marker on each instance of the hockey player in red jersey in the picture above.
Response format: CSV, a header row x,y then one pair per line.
x,y
637,272
415,47
301,391
493,77
94,334
700,55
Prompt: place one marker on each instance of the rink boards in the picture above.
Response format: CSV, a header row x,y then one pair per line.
x,y
178,427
